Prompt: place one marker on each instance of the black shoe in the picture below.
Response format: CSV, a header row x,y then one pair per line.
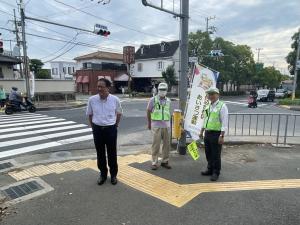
x,y
114,181
206,173
101,180
166,165
214,177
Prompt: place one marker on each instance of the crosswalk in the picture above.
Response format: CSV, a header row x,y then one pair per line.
x,y
29,132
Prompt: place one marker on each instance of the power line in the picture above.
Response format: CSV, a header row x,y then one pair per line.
x,y
61,54
111,22
65,45
65,41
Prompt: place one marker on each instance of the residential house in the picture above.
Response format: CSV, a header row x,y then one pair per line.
x,y
63,70
8,69
100,64
151,61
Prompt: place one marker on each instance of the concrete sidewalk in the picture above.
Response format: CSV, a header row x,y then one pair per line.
x,y
259,184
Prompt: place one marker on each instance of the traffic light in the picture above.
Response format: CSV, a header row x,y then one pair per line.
x,y
101,30
1,44
104,33
216,53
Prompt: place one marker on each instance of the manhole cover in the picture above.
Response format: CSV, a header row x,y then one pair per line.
x,y
22,190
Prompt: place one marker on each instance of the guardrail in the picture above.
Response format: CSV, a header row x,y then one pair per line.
x,y
264,124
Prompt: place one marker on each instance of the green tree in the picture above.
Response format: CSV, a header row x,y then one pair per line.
x,y
291,57
35,65
169,76
270,77
43,74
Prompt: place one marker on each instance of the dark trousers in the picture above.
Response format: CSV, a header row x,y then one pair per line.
x,y
213,151
105,139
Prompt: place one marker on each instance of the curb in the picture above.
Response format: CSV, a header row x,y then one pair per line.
x,y
294,108
60,108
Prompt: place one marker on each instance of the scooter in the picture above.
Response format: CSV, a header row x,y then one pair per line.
x,y
252,103
13,106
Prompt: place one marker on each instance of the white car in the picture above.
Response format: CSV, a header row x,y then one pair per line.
x,y
265,95
280,93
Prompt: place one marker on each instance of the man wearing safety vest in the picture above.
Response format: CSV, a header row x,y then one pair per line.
x,y
215,126
159,115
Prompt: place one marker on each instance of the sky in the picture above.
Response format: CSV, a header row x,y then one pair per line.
x,y
266,24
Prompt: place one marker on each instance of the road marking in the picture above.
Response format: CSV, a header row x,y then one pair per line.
x,y
24,120
41,131
168,191
35,126
44,137
35,122
33,148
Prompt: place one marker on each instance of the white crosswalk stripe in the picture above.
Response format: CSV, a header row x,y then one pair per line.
x,y
28,132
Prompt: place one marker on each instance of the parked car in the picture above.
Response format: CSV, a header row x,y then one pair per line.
x,y
281,93
265,95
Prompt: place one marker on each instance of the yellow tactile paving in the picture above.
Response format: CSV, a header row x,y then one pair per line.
x,y
163,189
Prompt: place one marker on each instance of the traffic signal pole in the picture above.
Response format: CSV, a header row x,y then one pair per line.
x,y
183,71
296,69
25,59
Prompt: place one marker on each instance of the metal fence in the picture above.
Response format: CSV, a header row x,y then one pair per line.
x,y
280,126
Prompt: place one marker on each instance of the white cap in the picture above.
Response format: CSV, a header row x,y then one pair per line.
x,y
162,86
213,90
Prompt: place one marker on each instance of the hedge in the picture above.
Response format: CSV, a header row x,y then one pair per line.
x,y
288,101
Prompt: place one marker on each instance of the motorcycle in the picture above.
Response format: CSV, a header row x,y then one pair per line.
x,y
13,106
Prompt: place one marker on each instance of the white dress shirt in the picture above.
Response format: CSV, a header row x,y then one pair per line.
x,y
104,111
223,115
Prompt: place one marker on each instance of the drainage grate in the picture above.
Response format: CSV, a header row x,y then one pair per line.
x,y
21,190
5,165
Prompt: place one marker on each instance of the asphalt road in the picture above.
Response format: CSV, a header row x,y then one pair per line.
x,y
132,130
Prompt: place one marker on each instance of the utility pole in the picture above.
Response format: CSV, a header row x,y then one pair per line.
x,y
296,68
207,19
25,60
258,53
183,71
18,40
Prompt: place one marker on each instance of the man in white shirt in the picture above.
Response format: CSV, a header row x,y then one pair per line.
x,y
215,127
104,112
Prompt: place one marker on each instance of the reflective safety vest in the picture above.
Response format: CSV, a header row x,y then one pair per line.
x,y
161,112
212,118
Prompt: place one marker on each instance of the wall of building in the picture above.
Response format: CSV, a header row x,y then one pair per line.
x,y
80,62
59,68
91,87
150,68
41,86
7,71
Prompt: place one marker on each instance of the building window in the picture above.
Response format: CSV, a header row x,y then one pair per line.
x,y
160,65
142,50
73,69
162,47
69,70
64,70
1,73
140,67
54,71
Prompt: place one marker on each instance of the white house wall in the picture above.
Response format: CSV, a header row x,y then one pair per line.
x,y
150,68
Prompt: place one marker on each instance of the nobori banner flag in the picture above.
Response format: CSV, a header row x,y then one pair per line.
x,y
204,78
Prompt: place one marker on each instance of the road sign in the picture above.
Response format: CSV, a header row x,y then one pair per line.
x,y
193,59
128,54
